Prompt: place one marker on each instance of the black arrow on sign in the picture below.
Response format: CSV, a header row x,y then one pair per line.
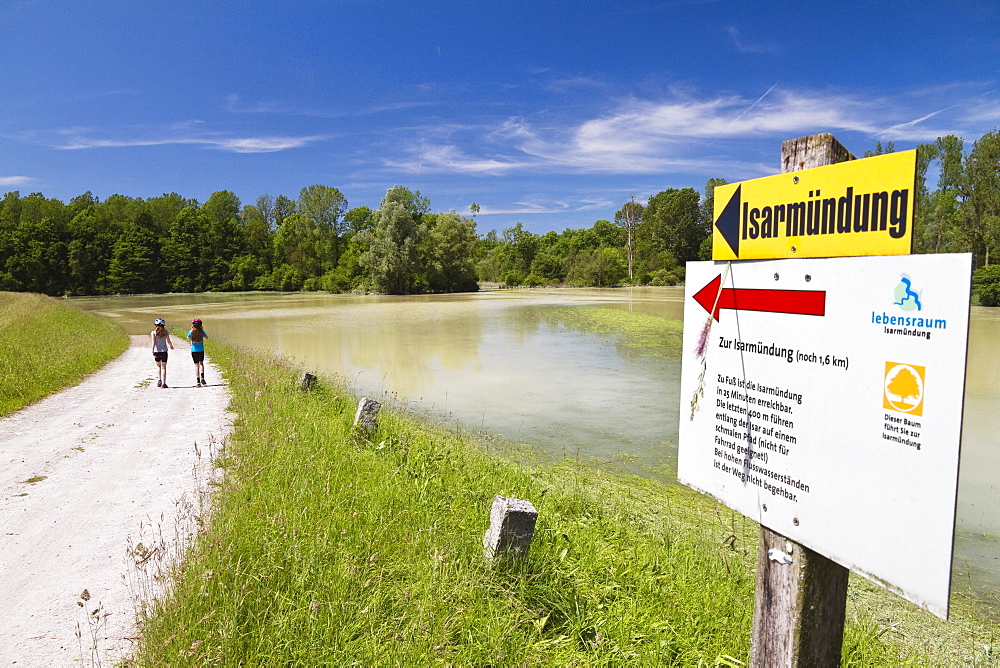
x,y
728,222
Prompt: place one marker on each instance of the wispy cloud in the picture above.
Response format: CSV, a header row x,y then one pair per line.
x,y
575,83
545,205
15,180
188,133
678,134
746,47
529,207
236,105
431,157
911,130
984,111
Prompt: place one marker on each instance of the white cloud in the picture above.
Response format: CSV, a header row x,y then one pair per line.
x,y
913,130
689,134
450,158
984,112
235,104
648,136
745,47
14,180
185,134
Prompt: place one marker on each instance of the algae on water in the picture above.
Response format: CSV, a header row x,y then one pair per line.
x,y
642,334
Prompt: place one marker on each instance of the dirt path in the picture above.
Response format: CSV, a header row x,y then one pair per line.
x,y
114,462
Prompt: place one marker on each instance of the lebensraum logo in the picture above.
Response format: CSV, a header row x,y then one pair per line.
x,y
917,323
905,297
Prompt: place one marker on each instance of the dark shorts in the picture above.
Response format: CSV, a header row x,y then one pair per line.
x,y
198,357
160,357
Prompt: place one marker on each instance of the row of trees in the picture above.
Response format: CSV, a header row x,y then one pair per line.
x,y
962,214
646,244
127,245
169,243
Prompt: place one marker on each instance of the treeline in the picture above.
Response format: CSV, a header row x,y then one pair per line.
x,y
962,213
127,245
645,245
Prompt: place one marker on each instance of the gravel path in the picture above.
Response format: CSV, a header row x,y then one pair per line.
x,y
85,476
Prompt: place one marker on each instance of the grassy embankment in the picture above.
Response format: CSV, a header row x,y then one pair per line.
x,y
46,345
327,548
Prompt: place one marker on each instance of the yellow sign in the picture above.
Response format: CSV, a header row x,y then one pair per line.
x,y
860,207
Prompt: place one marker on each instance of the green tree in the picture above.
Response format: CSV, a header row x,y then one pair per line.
x,y
880,149
133,266
359,219
986,285
628,218
35,244
283,208
982,168
305,245
184,251
671,223
707,210
601,267
266,208
222,206
258,237
939,219
324,207
448,248
391,261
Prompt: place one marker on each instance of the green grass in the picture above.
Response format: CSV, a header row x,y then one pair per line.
x,y
330,549
46,345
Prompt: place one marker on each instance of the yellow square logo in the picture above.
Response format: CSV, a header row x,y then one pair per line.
x,y
903,388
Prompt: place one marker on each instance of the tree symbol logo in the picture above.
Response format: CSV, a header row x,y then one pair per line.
x,y
903,389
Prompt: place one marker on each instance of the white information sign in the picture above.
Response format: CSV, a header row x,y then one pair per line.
x,y
824,400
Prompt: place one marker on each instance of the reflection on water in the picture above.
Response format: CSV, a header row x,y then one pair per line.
x,y
512,363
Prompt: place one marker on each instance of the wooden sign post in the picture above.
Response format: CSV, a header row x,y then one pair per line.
x,y
806,383
801,596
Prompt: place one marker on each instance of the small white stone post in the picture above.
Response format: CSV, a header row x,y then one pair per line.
x,y
364,419
512,525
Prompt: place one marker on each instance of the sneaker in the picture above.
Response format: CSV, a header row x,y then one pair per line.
x,y
159,383
203,381
164,385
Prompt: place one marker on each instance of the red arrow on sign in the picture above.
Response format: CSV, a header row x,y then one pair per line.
x,y
801,302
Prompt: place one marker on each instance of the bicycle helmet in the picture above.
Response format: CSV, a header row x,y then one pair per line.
x,y
159,321
196,321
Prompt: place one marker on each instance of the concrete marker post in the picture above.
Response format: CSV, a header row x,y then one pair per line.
x,y
512,526
364,419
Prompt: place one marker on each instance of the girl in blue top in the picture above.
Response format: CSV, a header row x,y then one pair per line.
x,y
197,338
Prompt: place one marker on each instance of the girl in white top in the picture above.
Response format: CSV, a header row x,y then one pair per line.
x,y
161,339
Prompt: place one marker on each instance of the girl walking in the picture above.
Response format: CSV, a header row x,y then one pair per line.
x,y
161,339
197,337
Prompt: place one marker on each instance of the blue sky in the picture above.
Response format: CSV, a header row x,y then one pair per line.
x,y
547,113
